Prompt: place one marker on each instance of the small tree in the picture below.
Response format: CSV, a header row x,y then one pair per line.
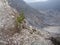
x,y
20,20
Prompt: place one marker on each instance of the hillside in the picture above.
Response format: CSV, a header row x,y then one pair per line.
x,y
30,13
39,19
50,4
34,28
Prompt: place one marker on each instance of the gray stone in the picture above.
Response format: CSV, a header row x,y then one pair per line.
x,y
7,21
41,43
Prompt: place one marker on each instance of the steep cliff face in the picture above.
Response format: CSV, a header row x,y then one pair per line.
x,y
7,21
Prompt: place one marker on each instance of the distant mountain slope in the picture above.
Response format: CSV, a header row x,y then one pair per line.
x,y
30,13
36,18
50,4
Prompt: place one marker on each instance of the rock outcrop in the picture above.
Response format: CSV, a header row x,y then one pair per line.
x,y
7,21
29,34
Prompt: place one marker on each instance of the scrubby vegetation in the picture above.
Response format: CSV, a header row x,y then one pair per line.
x,y
20,18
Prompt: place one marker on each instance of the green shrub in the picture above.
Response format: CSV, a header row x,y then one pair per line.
x,y
21,18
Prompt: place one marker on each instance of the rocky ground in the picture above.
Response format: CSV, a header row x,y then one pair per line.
x,y
26,34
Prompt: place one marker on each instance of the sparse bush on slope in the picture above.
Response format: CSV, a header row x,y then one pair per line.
x,y
20,20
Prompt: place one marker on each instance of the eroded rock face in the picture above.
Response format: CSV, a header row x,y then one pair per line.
x,y
7,20
8,28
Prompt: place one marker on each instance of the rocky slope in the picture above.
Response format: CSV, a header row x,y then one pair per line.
x,y
37,19
29,34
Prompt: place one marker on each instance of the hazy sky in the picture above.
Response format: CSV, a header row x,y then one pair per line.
x,y
29,1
